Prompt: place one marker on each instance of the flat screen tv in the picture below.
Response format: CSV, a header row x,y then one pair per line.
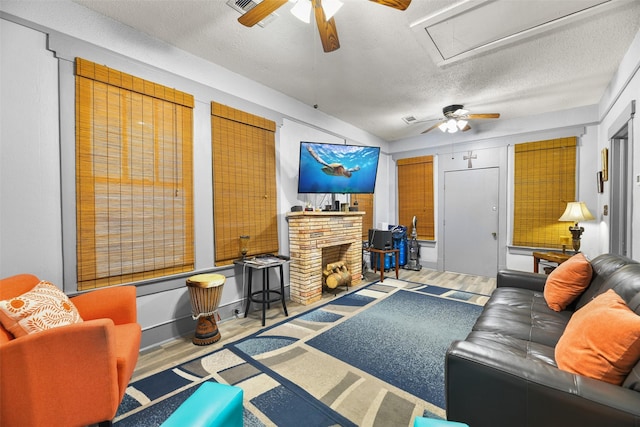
x,y
337,168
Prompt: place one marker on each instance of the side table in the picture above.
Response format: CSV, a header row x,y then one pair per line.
x,y
266,295
556,257
382,253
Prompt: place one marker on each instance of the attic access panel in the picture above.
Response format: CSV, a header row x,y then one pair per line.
x,y
474,26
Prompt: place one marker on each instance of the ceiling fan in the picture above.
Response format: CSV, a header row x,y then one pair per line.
x,y
326,27
457,118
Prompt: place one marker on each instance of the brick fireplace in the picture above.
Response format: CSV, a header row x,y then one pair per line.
x,y
318,238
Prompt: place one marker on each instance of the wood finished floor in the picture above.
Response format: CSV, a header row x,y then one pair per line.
x,y
182,349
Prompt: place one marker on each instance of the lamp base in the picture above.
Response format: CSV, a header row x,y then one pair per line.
x,y
576,232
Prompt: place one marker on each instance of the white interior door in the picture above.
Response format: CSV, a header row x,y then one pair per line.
x,y
471,221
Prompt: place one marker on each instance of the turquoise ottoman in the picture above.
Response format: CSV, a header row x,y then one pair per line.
x,y
211,405
430,422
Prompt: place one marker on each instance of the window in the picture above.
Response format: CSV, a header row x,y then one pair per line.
x,y
365,204
544,181
134,180
415,195
244,183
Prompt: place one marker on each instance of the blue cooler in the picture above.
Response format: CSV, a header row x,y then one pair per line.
x,y
399,233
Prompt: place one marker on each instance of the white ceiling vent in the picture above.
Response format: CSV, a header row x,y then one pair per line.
x,y
410,119
243,6
470,27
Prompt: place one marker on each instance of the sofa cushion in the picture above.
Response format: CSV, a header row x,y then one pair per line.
x,y
604,267
625,281
522,314
602,340
513,346
567,282
44,307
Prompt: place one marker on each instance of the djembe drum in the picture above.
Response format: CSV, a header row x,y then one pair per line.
x,y
205,291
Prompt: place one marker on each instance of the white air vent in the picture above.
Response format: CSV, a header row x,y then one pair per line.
x,y
409,119
243,6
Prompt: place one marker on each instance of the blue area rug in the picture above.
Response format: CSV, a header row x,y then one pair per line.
x,y
374,357
402,340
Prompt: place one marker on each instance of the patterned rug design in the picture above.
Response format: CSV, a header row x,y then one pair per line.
x,y
374,357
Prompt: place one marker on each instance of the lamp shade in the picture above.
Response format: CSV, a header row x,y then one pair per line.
x,y
576,212
330,8
302,10
462,124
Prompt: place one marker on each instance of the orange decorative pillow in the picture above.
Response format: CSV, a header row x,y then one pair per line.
x,y
43,307
567,282
601,341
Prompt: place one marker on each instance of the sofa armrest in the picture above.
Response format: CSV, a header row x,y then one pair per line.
x,y
521,279
529,392
67,374
117,303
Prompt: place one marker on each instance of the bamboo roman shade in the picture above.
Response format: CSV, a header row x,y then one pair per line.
x,y
544,182
244,183
365,204
134,179
415,195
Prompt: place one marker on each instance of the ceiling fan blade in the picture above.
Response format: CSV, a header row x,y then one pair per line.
x,y
484,116
260,11
396,4
466,128
327,29
434,126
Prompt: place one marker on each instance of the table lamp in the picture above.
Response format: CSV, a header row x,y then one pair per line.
x,y
576,212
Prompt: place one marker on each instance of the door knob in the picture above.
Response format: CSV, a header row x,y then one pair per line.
x,y
495,235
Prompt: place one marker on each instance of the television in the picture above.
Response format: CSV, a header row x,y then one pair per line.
x,y
337,168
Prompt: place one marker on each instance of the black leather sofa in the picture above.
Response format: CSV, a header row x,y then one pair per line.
x,y
504,373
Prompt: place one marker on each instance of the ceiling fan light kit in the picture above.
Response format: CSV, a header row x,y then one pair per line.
x,y
331,7
462,124
324,10
302,9
453,125
457,118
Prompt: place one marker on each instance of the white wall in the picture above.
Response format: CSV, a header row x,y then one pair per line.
x,y
30,217
622,90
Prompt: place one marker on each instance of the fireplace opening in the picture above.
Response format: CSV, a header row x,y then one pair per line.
x,y
335,271
336,274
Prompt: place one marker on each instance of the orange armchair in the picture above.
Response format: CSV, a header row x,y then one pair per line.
x,y
72,375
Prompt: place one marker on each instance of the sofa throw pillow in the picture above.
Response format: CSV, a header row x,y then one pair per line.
x,y
43,307
601,340
567,282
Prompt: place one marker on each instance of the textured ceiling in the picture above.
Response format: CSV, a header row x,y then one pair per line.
x,y
383,71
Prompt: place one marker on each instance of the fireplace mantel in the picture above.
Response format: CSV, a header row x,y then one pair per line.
x,y
309,234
